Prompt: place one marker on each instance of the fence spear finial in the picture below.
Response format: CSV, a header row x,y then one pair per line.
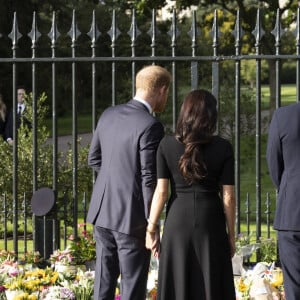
x,y
258,32
54,33
278,32
114,32
134,32
15,34
34,34
94,32
74,32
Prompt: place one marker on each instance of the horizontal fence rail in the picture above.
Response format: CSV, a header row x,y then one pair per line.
x,y
83,73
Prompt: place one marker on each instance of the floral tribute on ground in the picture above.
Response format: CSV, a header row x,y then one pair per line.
x,y
262,281
66,275
29,282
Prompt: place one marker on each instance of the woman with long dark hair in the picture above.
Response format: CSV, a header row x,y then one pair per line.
x,y
198,235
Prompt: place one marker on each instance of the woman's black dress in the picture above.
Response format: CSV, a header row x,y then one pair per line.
x,y
195,260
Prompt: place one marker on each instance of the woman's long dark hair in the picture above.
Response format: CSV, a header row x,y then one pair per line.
x,y
195,127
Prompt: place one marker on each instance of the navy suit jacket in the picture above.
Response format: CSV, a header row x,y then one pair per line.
x,y
8,133
123,153
283,156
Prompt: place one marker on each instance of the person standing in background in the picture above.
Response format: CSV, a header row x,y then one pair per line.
x,y
283,157
198,236
21,106
2,116
122,152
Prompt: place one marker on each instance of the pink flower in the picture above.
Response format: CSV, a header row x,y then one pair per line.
x,y
2,288
13,271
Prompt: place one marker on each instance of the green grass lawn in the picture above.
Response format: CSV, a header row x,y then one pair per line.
x,y
288,95
29,242
64,124
248,164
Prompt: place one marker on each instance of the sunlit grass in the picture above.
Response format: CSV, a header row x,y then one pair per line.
x,y
288,94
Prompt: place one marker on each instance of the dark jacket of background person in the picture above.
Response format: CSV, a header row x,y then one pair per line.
x,y
20,116
283,156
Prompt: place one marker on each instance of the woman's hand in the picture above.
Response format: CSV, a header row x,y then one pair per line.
x,y
232,246
153,242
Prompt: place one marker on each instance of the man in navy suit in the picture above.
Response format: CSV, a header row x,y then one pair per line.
x,y
123,153
283,156
21,107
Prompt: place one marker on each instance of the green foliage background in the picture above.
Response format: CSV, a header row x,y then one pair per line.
x,y
44,162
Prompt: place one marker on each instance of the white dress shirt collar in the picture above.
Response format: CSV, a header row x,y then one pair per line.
x,y
22,105
145,103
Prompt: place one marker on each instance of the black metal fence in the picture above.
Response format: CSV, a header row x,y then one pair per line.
x,y
191,68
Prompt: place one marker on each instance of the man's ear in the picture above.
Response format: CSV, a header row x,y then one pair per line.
x,y
164,89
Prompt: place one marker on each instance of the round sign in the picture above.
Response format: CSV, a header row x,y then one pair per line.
x,y
42,201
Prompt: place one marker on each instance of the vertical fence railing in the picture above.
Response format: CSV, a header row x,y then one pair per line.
x,y
258,33
74,33
15,35
173,33
133,33
53,35
238,35
193,60
194,64
277,32
114,33
215,64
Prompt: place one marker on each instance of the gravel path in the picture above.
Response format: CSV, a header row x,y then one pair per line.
x,y
63,141
86,138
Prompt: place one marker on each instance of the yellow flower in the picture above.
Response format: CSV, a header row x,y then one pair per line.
x,y
277,278
241,286
54,277
23,296
117,291
32,285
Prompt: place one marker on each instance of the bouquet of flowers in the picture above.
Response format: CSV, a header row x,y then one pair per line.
x,y
28,284
264,281
64,257
82,286
7,256
84,246
57,292
31,258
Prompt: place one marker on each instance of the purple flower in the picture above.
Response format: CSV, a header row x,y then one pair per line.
x,y
66,293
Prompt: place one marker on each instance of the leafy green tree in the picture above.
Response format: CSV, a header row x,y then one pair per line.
x,y
248,14
248,72
44,160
